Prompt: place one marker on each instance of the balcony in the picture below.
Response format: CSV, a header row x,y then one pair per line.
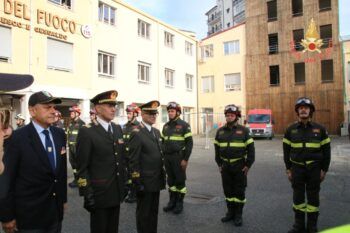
x,y
214,18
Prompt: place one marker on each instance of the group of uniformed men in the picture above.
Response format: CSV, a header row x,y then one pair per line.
x,y
106,157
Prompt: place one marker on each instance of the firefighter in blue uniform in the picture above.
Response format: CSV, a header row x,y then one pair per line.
x,y
307,155
234,154
72,133
132,112
177,147
100,165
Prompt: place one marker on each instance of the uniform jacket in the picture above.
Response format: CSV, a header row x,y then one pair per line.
x,y
177,137
146,158
73,130
100,164
304,144
233,144
33,191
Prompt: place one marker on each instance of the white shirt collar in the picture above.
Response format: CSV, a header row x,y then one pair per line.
x,y
149,127
104,123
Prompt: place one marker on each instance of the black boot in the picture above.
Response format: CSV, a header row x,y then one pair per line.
x,y
179,203
299,224
171,203
230,215
312,222
238,214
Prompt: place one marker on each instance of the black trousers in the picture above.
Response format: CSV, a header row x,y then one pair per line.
x,y
176,176
73,159
147,212
306,179
234,182
105,220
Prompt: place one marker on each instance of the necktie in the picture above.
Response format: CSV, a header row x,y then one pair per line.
x,y
110,133
49,149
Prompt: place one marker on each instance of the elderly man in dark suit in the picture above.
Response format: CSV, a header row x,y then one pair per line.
x,y
35,178
147,171
100,156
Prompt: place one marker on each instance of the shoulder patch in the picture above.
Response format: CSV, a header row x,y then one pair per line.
x,y
239,132
316,130
294,131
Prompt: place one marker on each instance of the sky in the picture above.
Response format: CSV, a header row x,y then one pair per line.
x,y
190,14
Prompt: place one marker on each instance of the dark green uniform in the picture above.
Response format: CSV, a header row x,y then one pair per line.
x,y
127,129
72,133
177,146
101,173
146,164
306,151
234,149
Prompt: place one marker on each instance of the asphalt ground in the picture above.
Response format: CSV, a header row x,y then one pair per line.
x,y
269,195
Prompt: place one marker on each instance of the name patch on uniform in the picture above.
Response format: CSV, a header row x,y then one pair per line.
x,y
316,130
221,132
179,126
239,132
294,131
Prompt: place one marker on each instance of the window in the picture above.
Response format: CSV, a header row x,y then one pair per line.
x,y
186,114
231,47
272,10
207,84
106,64
144,29
228,10
327,70
325,5
238,11
274,75
189,82
326,35
298,35
64,3
106,14
297,7
5,45
299,73
232,82
169,77
188,48
273,43
207,51
168,39
59,55
144,72
164,114
228,25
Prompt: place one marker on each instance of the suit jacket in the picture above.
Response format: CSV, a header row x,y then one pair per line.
x,y
146,158
32,191
100,164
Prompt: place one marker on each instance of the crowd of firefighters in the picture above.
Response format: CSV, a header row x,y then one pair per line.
x,y
306,148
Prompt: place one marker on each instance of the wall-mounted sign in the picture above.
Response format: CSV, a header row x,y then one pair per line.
x,y
86,31
43,18
310,44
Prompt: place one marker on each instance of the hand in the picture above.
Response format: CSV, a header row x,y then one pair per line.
x,y
89,202
9,227
289,175
245,170
184,164
322,175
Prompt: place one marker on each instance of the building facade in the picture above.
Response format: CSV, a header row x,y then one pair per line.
x,y
76,49
346,72
226,14
221,76
293,50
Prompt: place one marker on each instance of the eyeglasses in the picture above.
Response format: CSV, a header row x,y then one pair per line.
x,y
231,108
172,105
304,101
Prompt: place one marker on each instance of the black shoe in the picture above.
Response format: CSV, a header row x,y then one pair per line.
x,y
238,221
73,184
172,202
229,216
296,230
179,205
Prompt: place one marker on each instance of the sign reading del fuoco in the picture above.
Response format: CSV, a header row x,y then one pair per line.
x,y
22,11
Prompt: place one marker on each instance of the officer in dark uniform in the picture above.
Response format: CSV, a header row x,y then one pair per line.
x,y
234,154
177,148
72,133
307,155
100,165
146,164
132,112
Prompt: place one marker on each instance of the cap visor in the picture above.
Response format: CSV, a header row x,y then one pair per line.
x,y
53,100
13,82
